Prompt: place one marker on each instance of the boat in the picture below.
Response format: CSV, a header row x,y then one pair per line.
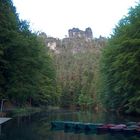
x,y
105,127
70,125
131,123
117,128
58,124
138,123
80,126
121,125
129,130
134,126
138,131
92,126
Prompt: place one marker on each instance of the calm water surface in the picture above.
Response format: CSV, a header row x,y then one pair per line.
x,y
37,127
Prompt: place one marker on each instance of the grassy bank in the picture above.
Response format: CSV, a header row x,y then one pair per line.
x,y
24,111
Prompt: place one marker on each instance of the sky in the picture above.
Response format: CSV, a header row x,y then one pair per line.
x,y
56,17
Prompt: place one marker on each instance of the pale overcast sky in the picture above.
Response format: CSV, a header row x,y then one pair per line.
x,y
55,17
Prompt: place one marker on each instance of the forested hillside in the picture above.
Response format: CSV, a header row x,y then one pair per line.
x,y
120,66
77,64
27,74
77,68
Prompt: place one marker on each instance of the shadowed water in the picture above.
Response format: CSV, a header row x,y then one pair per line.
x,y
37,127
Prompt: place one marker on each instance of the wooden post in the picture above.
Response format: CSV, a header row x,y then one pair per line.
x,y
2,101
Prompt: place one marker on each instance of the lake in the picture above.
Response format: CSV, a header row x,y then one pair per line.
x,y
37,126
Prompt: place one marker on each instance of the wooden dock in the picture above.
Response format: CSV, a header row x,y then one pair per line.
x,y
4,119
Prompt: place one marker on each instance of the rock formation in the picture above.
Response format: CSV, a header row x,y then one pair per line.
x,y
77,33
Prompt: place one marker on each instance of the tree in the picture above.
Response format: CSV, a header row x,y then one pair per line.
x,y
26,72
120,65
9,23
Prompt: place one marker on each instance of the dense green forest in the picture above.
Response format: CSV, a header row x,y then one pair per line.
x,y
77,68
120,66
78,72
76,63
27,74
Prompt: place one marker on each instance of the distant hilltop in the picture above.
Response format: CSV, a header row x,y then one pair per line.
x,y
77,40
77,33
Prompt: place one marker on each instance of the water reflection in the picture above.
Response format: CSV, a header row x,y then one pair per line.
x,y
37,127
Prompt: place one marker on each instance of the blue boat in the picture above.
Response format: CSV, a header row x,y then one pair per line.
x,y
131,123
134,126
129,130
70,125
58,124
92,126
80,126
